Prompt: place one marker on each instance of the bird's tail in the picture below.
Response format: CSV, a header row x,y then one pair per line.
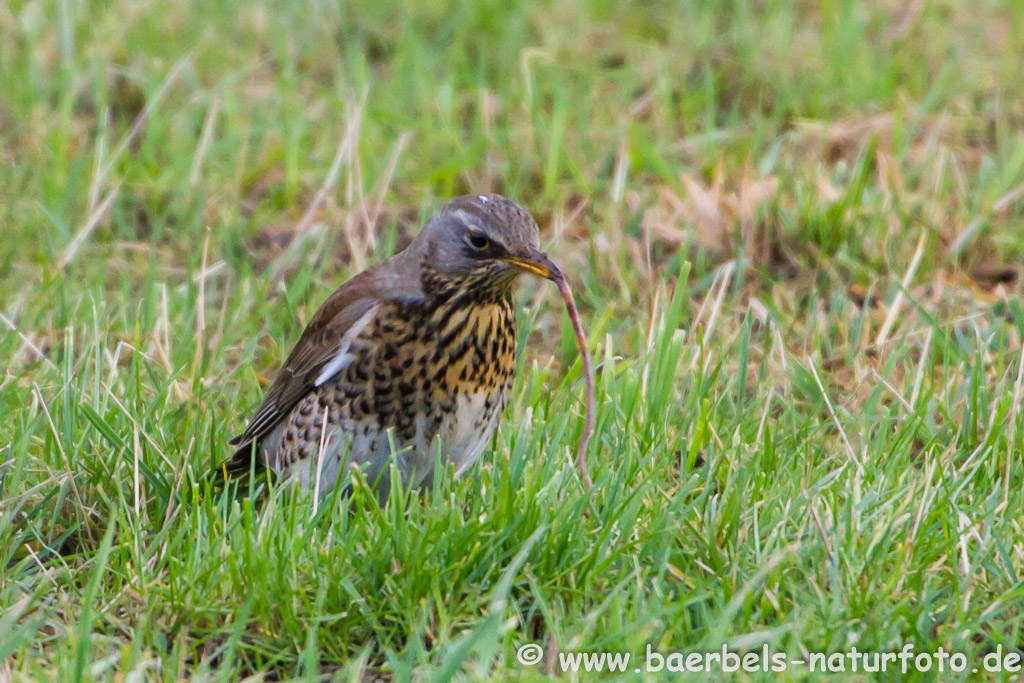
x,y
243,461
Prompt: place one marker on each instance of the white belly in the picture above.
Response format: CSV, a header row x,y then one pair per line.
x,y
460,440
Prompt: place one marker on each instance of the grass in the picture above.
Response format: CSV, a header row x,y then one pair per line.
x,y
795,232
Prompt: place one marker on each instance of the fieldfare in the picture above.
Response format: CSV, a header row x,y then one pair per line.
x,y
410,361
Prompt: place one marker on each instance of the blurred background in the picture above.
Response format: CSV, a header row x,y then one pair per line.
x,y
801,137
795,231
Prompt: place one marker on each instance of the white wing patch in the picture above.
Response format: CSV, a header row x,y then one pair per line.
x,y
484,199
342,358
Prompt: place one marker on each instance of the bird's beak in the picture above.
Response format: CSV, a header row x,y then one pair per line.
x,y
536,263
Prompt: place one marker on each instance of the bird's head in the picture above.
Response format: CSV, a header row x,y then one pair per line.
x,y
482,241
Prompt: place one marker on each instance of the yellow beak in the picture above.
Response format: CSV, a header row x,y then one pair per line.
x,y
536,263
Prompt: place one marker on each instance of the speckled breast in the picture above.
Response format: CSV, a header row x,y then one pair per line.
x,y
428,380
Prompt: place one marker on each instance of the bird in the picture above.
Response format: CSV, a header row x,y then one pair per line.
x,y
409,362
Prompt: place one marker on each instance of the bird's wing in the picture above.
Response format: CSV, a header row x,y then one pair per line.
x,y
320,351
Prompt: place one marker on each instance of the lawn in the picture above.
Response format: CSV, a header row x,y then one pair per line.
x,y
795,232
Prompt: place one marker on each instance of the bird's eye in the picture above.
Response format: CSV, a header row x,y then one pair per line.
x,y
478,240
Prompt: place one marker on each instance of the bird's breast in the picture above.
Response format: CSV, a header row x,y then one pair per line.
x,y
417,383
420,367
476,346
